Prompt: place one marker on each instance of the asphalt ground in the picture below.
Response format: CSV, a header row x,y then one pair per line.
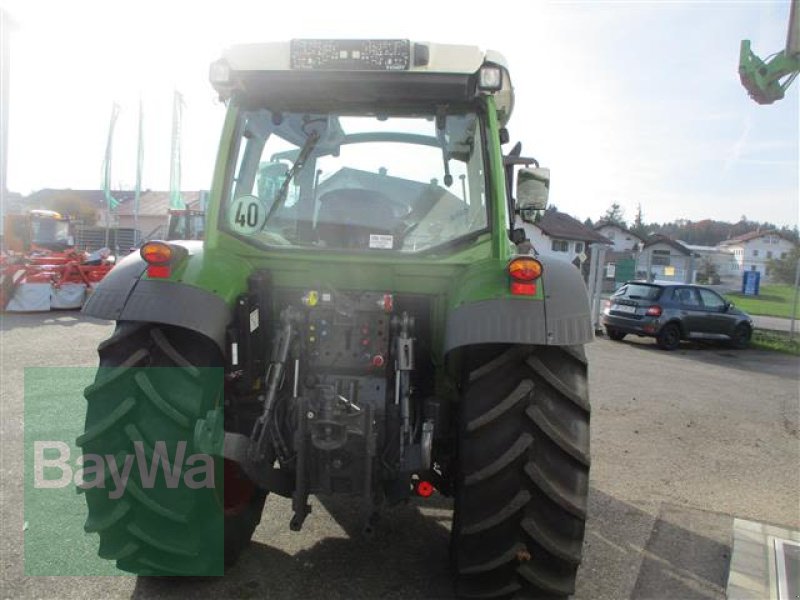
x,y
681,443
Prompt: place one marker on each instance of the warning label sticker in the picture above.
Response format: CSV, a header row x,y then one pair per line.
x,y
385,242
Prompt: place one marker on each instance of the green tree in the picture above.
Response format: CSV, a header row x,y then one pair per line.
x,y
707,272
615,214
783,269
639,226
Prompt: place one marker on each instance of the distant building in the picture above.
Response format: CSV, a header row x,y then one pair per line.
x,y
559,235
752,251
91,209
623,239
665,259
86,206
722,262
11,204
153,211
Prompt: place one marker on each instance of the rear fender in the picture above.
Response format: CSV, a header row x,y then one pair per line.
x,y
560,318
125,295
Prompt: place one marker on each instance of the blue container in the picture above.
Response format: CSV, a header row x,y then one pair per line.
x,y
751,281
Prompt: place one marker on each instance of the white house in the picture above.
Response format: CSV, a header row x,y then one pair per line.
x,y
559,235
665,259
724,262
623,239
752,251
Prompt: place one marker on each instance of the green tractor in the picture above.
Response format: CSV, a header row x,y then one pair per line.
x,y
365,318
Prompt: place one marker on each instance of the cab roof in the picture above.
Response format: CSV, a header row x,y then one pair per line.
x,y
366,71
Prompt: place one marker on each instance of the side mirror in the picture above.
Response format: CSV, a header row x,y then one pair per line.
x,y
729,306
533,188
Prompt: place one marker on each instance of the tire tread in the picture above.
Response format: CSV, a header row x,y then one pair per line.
x,y
523,468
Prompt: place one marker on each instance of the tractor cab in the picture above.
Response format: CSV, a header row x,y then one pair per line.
x,y
38,230
186,224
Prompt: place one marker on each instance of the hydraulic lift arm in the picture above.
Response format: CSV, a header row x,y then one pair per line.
x,y
767,80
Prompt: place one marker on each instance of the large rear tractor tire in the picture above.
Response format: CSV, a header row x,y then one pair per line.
x,y
523,473
158,528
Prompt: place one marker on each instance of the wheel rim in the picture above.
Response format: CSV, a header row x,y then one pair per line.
x,y
238,490
671,337
743,335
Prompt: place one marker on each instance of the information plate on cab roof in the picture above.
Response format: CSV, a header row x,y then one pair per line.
x,y
351,55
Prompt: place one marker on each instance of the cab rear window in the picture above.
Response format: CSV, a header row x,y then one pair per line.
x,y
636,291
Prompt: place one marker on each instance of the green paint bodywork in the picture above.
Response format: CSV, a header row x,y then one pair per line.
x,y
467,273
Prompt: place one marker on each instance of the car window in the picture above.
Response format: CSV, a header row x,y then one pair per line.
x,y
636,291
686,297
711,300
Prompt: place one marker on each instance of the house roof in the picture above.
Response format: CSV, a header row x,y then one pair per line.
x,y
96,197
403,191
559,225
753,235
663,239
601,224
151,203
155,203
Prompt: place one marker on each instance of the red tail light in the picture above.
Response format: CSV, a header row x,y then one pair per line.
x,y
524,268
524,271
159,256
424,488
158,271
654,311
156,253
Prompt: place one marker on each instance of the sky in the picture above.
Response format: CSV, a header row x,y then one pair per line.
x,y
637,103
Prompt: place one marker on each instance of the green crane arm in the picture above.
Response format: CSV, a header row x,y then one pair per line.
x,y
767,80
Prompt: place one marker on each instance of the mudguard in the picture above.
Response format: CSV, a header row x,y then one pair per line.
x,y
561,319
124,296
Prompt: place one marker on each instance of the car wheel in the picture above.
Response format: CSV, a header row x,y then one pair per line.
x,y
615,334
741,336
669,338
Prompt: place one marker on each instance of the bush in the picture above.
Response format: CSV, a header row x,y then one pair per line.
x,y
783,270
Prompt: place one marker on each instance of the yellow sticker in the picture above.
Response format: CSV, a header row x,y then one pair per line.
x,y
311,298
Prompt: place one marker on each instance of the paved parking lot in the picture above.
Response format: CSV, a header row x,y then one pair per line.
x,y
682,442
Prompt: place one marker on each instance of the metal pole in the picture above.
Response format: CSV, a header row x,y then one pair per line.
x,y
108,224
598,285
109,198
592,274
794,304
6,27
138,189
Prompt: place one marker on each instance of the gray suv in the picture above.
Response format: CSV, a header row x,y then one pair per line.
x,y
671,312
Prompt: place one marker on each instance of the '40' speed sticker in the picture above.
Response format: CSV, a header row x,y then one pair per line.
x,y
247,215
